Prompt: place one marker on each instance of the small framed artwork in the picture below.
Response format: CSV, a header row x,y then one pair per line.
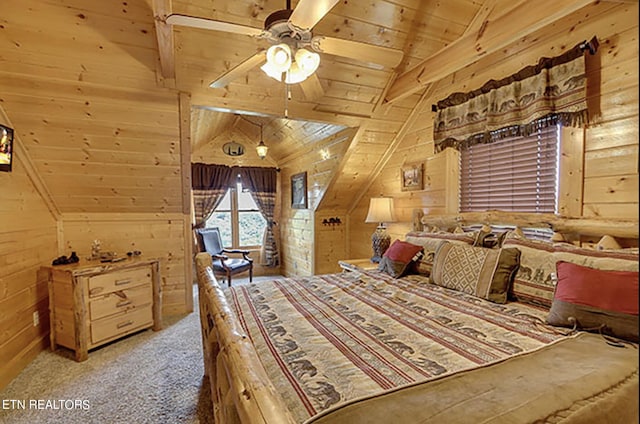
x,y
299,191
411,177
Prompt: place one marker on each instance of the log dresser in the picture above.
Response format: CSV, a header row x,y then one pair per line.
x,y
93,303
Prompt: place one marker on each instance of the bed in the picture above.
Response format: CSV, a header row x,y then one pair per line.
x,y
371,347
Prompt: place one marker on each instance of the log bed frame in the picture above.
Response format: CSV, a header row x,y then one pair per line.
x,y
240,389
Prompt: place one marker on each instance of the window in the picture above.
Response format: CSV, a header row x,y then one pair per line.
x,y
240,221
518,174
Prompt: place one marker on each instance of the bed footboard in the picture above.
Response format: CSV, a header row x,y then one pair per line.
x,y
240,389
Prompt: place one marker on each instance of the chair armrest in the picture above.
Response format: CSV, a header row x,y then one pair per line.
x,y
245,253
221,257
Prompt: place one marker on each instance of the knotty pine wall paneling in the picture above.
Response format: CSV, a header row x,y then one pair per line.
x,y
27,241
604,156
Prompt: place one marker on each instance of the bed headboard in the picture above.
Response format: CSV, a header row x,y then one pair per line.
x,y
569,227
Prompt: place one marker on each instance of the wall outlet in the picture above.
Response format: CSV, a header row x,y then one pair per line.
x,y
36,319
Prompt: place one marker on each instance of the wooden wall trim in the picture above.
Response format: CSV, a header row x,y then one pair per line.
x,y
571,162
558,223
21,154
185,165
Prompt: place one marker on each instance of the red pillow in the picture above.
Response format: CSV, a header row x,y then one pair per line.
x,y
398,257
595,297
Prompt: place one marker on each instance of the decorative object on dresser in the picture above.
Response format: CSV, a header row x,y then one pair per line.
x,y
380,211
411,177
95,303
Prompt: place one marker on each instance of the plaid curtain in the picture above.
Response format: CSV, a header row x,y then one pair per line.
x,y
209,183
262,183
552,91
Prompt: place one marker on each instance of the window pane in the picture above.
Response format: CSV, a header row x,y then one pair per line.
x,y
252,225
225,204
246,202
222,220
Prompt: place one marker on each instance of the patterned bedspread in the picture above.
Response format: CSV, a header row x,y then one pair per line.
x,y
329,339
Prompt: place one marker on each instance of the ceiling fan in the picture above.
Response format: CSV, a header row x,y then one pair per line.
x,y
293,55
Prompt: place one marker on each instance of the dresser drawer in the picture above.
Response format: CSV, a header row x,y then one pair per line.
x,y
117,325
118,280
119,301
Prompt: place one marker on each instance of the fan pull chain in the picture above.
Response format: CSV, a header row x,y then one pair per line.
x,y
287,97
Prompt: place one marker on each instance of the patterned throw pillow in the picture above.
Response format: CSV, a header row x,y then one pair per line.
x,y
399,258
536,279
482,272
430,242
593,298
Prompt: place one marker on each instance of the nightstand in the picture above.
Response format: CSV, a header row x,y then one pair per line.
x,y
357,265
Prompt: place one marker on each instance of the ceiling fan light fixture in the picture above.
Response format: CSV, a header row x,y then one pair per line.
x,y
262,149
279,57
295,74
307,61
270,70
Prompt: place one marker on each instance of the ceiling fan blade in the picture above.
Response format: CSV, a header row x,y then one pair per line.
x,y
239,70
312,88
194,22
384,56
308,12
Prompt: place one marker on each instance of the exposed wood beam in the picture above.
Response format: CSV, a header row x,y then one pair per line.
x,y
392,147
494,34
164,34
480,17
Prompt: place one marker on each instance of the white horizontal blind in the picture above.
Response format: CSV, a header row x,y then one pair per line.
x,y
516,174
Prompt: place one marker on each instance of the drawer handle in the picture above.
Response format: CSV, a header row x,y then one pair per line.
x,y
124,324
123,282
123,303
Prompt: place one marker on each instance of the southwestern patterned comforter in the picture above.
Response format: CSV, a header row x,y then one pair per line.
x,y
366,348
331,339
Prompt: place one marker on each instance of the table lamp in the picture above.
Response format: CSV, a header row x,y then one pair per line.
x,y
380,211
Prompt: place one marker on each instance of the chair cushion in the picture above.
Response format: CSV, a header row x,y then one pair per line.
x,y
234,264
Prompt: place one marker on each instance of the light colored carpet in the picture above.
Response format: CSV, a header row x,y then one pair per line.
x,y
148,377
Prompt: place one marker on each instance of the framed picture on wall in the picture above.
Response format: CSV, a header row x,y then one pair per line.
x,y
299,191
411,177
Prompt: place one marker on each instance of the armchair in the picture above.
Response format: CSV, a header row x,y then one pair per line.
x,y
209,241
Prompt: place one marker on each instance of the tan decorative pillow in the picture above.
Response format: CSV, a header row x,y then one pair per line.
x,y
535,280
482,272
430,242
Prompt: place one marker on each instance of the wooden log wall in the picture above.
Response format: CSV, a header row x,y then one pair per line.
x,y
301,229
78,81
605,156
27,240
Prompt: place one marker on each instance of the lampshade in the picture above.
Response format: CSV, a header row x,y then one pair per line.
x,y
262,150
295,74
381,210
270,70
279,57
307,61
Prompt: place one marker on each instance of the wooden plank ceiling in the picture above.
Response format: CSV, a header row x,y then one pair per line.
x,y
348,92
378,101
92,88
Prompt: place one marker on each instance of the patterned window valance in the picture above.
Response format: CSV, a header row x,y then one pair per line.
x,y
552,91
